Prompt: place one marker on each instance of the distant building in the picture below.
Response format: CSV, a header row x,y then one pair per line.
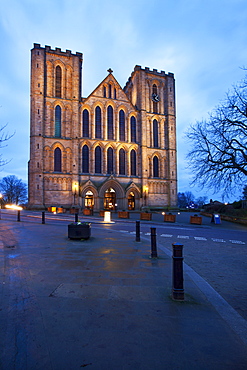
x,y
114,148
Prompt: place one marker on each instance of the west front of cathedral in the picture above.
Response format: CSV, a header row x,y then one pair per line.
x,y
115,149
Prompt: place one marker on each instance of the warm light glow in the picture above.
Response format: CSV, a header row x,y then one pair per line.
x,y
145,189
107,216
75,187
13,206
163,213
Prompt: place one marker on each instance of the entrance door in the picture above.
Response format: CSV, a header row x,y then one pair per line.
x,y
89,200
110,199
131,201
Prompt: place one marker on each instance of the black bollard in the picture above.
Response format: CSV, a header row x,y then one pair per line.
x,y
153,243
43,217
76,217
138,239
178,279
18,215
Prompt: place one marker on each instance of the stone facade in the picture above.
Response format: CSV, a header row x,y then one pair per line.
x,y
114,149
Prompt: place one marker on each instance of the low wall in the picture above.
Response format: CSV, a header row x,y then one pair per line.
x,y
237,220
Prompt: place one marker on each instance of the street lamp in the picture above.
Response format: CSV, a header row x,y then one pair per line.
x,y
145,188
75,189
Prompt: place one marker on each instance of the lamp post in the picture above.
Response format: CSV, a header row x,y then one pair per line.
x,y
145,194
75,188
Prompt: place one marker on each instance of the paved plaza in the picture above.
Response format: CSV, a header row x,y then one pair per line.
x,y
103,303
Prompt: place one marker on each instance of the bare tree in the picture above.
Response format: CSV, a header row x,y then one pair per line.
x,y
3,138
14,190
218,155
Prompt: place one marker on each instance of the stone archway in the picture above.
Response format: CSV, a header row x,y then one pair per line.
x,y
110,202
89,200
116,196
131,201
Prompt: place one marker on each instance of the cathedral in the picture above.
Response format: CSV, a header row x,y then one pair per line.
x,y
114,149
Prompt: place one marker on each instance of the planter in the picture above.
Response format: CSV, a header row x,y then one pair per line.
x,y
88,212
169,218
123,214
52,209
145,216
196,220
101,213
79,231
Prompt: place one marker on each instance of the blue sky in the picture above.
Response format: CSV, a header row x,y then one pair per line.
x,y
203,42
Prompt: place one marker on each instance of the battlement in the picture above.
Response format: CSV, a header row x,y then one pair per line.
x,y
58,51
148,70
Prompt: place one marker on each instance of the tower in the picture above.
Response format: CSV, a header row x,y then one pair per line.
x,y
55,99
153,94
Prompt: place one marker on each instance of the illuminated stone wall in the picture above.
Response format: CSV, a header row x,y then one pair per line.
x,y
56,81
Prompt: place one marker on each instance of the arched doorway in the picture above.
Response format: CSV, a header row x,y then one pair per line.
x,y
89,200
131,201
110,199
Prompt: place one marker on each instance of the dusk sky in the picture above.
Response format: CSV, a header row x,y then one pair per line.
x,y
203,42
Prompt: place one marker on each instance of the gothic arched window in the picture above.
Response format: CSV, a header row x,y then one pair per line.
x,y
155,134
133,129
133,163
85,123
57,160
155,167
155,98
58,121
109,160
58,83
85,159
121,162
110,122
98,159
121,125
98,122
109,90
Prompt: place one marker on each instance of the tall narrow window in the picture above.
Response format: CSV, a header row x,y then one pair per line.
x,y
155,134
57,160
121,125
58,84
110,122
155,167
109,160
98,159
115,93
104,92
133,129
121,162
133,163
85,159
98,122
155,98
85,123
58,121
109,89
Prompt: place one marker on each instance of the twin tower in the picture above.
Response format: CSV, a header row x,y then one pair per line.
x,y
115,148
